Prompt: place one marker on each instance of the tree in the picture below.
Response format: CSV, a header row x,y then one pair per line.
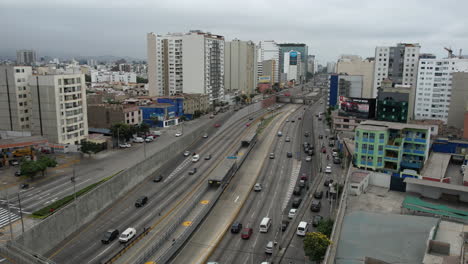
x,y
315,245
183,118
325,227
89,147
197,114
142,128
87,78
237,98
141,80
252,96
244,97
122,131
30,168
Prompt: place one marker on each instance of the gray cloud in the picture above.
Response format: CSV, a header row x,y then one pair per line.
x,y
329,28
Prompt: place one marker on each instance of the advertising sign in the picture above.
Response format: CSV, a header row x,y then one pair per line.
x,y
358,107
264,79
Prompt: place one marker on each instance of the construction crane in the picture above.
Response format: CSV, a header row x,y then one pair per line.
x,y
450,52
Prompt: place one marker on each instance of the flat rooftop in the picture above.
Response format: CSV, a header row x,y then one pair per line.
x,y
392,125
17,142
436,165
376,199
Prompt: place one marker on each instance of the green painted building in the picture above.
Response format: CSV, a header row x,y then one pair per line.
x,y
396,148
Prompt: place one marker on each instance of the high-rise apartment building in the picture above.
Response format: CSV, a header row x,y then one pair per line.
x,y
59,107
25,57
186,63
395,103
268,50
399,64
459,101
292,66
300,48
434,87
311,64
240,67
15,98
355,65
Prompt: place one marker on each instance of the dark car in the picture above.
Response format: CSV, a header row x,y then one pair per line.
x,y
315,206
320,137
284,225
250,118
306,134
236,227
327,182
158,178
246,233
18,173
208,157
311,152
306,150
324,150
336,160
304,176
302,183
296,202
24,186
141,201
316,220
109,236
289,154
331,144
297,190
192,171
318,194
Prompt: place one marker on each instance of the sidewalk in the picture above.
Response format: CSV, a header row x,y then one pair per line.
x,y
212,230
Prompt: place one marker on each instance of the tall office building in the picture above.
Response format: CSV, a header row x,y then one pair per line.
x,y
355,65
268,50
434,87
59,107
240,67
292,66
331,67
186,63
25,57
311,64
298,47
399,64
15,98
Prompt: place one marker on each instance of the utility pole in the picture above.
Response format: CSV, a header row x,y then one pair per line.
x,y
9,216
21,212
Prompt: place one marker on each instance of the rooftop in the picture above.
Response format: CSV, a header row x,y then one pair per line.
x,y
436,165
358,176
391,125
17,142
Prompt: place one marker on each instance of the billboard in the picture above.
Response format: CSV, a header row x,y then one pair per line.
x,y
264,79
358,107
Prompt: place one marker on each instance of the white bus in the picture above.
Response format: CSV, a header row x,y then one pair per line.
x,y
265,225
302,228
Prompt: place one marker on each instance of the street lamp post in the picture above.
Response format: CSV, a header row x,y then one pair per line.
x,y
21,212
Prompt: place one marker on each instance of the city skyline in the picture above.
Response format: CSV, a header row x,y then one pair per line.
x,y
121,30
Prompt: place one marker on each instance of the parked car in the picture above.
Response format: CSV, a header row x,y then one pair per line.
x,y
324,150
310,152
141,201
125,145
178,134
316,220
247,125
258,187
328,169
192,171
211,116
208,157
158,178
302,183
24,186
236,227
186,153
292,213
149,139
110,235
296,202
335,154
14,162
246,232
138,140
128,234
284,225
250,118
304,176
289,154
280,134
318,194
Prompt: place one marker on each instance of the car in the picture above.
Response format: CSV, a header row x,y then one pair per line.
x,y
331,144
327,182
328,169
24,186
324,150
158,178
304,176
306,134
141,201
292,121
296,202
246,232
318,194
334,154
306,150
109,236
289,154
308,158
186,153
192,171
208,157
302,183
320,136
178,134
258,187
269,247
319,118
18,173
315,206
138,140
236,227
287,139
280,134
205,135
336,160
247,125
292,213
305,144
299,118
14,162
211,116
284,225
217,125
250,118
125,145
149,139
287,120
272,155
195,158
128,234
297,190
316,220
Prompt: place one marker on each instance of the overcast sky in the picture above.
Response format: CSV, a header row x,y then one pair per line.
x,y
330,28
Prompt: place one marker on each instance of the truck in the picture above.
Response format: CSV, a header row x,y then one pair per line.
x,y
26,151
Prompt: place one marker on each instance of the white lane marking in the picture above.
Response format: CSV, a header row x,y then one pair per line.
x,y
237,198
91,261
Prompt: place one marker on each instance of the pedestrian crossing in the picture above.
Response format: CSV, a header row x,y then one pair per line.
x,y
179,168
292,182
5,218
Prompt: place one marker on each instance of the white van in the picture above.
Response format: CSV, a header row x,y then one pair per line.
x,y
269,247
265,225
195,158
302,228
138,140
126,235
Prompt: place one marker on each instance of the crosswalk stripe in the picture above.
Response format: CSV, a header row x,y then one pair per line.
x,y
4,218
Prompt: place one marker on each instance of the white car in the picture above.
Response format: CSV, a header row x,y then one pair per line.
x,y
186,153
328,169
205,135
138,140
195,158
149,139
258,187
292,213
335,154
178,134
309,158
125,145
126,235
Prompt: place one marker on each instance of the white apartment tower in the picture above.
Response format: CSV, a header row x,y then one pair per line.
x,y
292,66
268,50
240,67
399,64
15,98
25,57
186,63
434,87
59,107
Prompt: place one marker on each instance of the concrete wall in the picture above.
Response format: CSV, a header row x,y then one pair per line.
x,y
380,179
433,192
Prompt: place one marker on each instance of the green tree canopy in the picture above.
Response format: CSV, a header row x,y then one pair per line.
x,y
30,168
88,147
315,245
141,80
325,227
122,130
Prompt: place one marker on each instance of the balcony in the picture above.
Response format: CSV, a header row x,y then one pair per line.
x,y
392,159
411,164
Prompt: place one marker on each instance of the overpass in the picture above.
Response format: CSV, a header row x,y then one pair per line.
x,y
296,99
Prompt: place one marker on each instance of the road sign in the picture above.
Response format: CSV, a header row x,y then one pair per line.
x,y
232,157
